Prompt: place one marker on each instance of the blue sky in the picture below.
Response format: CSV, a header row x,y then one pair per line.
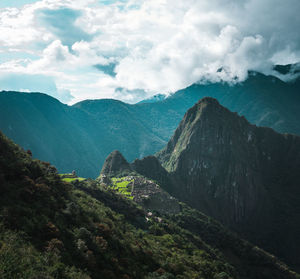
x,y
20,3
89,49
15,3
61,22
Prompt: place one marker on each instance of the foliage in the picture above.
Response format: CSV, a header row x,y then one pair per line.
x,y
122,185
53,229
69,179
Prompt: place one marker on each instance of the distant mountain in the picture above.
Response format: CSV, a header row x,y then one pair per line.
x,y
263,100
74,137
245,176
54,229
153,99
287,69
81,136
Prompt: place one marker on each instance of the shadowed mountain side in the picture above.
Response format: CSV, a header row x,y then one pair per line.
x,y
151,167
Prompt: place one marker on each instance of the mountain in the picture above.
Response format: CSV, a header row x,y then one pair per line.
x,y
114,164
52,131
54,229
245,176
263,100
74,137
153,99
81,136
287,69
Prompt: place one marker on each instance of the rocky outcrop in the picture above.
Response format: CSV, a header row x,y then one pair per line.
x,y
115,164
245,176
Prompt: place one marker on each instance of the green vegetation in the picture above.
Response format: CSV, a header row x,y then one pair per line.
x,y
123,186
53,229
68,179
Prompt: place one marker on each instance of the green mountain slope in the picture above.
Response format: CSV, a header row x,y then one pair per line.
x,y
52,131
70,137
53,229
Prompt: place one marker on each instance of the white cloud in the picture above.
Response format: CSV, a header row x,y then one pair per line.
x,y
156,45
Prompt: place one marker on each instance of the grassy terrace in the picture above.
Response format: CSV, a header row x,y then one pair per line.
x,y
70,179
122,186
73,179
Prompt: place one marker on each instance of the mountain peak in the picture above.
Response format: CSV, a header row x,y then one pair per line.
x,y
115,163
208,100
207,108
206,119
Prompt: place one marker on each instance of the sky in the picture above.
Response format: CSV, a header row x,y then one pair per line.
x,y
133,49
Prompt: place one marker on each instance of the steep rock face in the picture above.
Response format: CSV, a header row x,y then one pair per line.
x,y
246,177
150,167
114,164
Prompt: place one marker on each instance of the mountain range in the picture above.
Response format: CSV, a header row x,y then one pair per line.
x,y
80,137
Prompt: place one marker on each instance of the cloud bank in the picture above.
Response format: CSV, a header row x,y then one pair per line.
x,y
91,49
